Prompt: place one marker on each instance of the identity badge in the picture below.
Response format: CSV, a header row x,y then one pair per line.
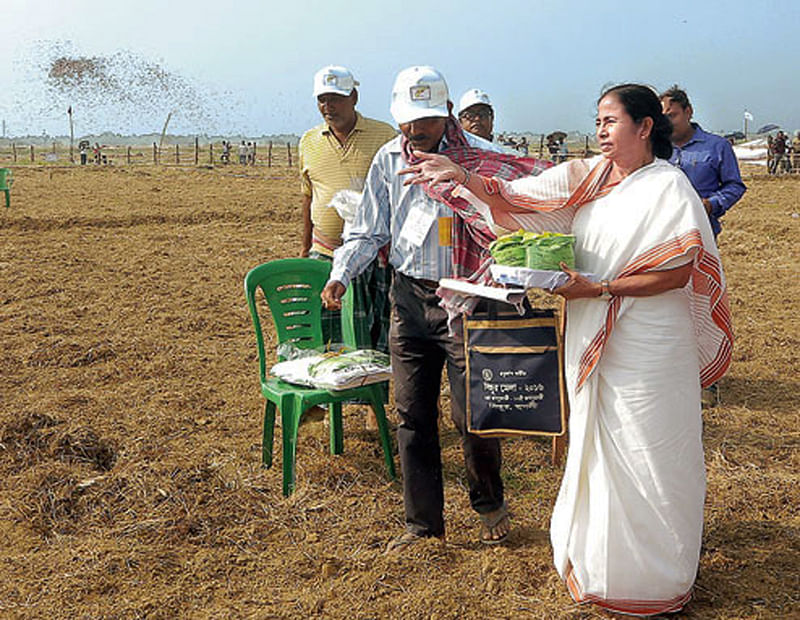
x,y
417,225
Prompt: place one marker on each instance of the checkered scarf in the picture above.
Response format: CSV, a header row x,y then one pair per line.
x,y
471,233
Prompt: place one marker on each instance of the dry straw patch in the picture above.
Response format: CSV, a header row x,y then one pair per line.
x,y
129,427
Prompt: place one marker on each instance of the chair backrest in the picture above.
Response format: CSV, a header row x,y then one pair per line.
x,y
5,178
349,336
292,288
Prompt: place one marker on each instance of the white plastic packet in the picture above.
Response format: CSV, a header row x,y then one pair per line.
x,y
532,278
295,370
346,203
351,369
336,371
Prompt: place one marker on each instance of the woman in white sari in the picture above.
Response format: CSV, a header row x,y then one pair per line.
x,y
627,524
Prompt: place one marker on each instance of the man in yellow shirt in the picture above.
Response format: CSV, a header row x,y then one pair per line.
x,y
335,155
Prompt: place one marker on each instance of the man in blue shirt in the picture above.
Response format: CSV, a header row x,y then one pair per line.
x,y
707,160
711,166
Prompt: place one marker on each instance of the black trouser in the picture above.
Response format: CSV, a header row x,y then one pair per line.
x,y
419,346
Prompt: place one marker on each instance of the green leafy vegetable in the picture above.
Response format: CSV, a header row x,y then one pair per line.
x,y
536,251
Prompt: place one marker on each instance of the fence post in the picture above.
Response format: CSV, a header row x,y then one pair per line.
x,y
177,155
155,154
269,155
32,157
289,153
128,153
586,147
211,153
14,149
196,150
255,151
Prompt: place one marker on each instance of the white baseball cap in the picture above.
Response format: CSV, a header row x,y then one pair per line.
x,y
419,92
333,79
472,97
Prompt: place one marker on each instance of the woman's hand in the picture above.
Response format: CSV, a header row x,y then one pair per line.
x,y
577,286
637,285
433,169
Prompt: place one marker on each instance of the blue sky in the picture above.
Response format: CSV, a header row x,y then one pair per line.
x,y
544,63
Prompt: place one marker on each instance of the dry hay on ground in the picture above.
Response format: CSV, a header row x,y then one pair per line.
x,y
130,426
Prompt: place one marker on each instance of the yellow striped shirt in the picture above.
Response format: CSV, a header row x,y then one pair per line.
x,y
327,167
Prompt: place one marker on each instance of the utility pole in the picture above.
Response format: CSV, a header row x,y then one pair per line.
x,y
71,135
164,131
747,117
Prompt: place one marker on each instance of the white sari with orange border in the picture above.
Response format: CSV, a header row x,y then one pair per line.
x,y
627,524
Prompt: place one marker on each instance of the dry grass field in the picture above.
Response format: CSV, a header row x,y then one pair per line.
x,y
130,477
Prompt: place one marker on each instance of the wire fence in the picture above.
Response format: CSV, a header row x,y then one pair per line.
x,y
284,154
269,154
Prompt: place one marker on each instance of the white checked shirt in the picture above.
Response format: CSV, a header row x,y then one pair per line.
x,y
385,206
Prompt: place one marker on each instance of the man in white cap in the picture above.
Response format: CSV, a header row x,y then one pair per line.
x,y
475,113
418,226
334,156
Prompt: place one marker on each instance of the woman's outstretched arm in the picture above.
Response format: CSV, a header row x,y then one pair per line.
x,y
435,168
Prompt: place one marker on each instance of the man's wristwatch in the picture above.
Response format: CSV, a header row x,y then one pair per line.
x,y
604,292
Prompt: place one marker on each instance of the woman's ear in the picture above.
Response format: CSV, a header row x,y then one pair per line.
x,y
646,128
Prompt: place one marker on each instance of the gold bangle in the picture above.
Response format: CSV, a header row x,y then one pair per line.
x,y
466,176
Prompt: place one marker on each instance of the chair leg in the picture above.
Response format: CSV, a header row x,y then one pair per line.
x,y
268,434
336,429
383,431
290,421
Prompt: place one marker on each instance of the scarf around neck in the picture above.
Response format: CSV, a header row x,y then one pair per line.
x,y
471,233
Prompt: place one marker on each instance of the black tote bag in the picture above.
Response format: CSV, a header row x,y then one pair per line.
x,y
515,372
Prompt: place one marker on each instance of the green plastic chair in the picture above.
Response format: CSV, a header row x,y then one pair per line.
x,y
5,184
292,289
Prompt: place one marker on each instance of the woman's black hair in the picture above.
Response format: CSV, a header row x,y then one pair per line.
x,y
641,101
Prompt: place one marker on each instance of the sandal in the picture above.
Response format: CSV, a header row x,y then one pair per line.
x,y
405,540
491,521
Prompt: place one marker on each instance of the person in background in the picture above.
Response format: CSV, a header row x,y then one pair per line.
x,y
780,157
796,152
563,151
711,166
475,113
707,160
334,156
420,230
552,148
627,525
243,153
226,152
